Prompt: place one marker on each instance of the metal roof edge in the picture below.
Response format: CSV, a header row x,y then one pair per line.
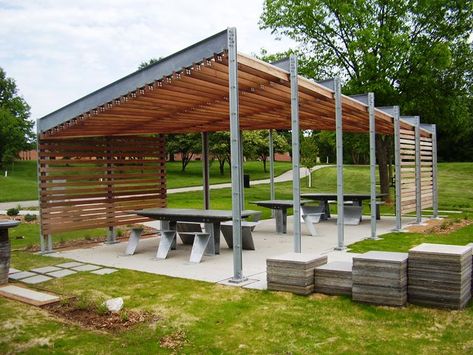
x,y
166,66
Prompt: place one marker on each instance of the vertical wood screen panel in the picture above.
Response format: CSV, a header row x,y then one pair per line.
x,y
427,172
94,182
408,173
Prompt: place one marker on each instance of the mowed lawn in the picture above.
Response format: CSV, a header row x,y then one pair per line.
x,y
21,182
208,318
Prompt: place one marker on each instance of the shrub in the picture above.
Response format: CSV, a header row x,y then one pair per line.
x,y
13,212
30,217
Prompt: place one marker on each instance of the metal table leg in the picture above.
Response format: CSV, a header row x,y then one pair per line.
x,y
133,241
281,220
213,247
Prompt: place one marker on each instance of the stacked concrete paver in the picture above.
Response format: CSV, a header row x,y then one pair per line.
x,y
334,278
380,278
440,275
293,272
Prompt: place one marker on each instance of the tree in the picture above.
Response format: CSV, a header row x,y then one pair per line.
x,y
16,131
149,62
309,150
256,145
219,148
396,49
186,145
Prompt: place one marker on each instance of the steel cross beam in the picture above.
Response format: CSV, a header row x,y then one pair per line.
x,y
296,181
235,150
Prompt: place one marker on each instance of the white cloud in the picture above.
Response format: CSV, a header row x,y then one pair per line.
x,y
58,51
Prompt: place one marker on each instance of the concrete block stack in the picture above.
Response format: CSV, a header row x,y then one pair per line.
x,y
334,278
293,272
440,275
380,278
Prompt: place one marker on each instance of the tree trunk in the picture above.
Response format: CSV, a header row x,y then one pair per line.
x,y
382,157
221,166
171,157
264,164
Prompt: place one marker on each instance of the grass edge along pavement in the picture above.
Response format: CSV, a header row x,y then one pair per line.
x,y
204,317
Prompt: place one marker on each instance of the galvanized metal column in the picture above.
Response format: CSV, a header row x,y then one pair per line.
x,y
45,245
242,170
397,166
339,144
372,123
235,154
418,171
296,180
205,169
271,167
435,192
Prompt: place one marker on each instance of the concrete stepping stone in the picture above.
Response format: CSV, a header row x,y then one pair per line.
x,y
21,275
293,272
46,269
70,264
13,271
104,271
36,279
86,267
28,296
61,273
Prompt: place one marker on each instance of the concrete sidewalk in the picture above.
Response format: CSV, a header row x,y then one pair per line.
x,y
287,176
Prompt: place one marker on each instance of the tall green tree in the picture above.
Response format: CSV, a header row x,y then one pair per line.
x,y
398,49
187,145
16,131
256,145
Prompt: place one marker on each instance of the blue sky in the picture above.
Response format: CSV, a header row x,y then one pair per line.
x,y
60,50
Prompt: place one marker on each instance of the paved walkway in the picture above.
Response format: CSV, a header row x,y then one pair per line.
x,y
287,176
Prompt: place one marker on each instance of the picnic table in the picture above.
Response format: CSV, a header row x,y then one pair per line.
x,y
356,198
280,208
211,218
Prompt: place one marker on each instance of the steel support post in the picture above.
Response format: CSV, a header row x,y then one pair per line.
x,y
235,154
397,166
271,167
372,123
339,144
435,196
242,170
45,245
296,181
205,169
418,172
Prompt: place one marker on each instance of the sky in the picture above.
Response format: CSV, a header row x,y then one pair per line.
x,y
60,50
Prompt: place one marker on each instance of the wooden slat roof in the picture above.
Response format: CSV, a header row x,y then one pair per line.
x,y
188,92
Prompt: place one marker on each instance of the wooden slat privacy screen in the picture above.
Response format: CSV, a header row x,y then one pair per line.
x,y
408,171
93,182
427,172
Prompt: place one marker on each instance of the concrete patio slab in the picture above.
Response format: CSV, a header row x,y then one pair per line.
x,y
21,275
220,267
13,271
70,264
36,279
46,269
61,273
26,295
86,267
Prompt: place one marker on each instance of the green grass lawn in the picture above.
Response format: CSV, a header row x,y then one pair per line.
x,y
20,185
216,319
